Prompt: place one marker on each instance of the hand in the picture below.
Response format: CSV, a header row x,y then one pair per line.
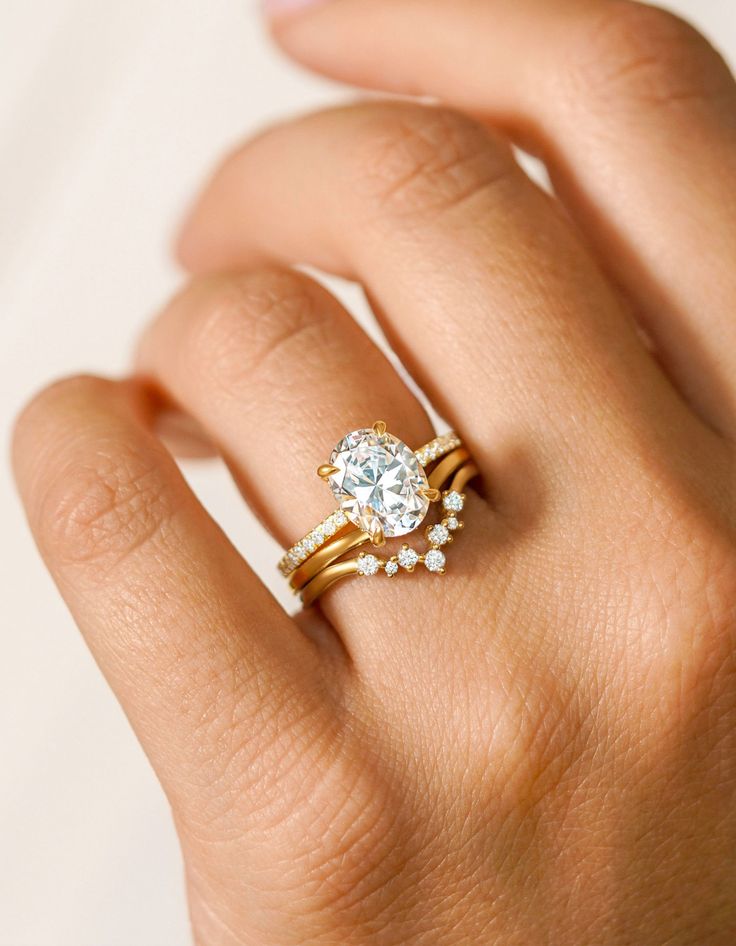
x,y
539,747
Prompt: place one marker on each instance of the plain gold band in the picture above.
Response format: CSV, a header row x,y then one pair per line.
x,y
353,539
328,576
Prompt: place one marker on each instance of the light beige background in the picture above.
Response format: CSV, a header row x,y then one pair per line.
x,y
110,113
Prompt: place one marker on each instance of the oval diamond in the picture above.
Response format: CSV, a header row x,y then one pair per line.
x,y
379,483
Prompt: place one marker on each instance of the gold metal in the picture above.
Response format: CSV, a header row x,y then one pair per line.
x,y
329,575
302,554
326,579
351,537
376,534
433,495
447,467
463,476
379,428
327,470
340,545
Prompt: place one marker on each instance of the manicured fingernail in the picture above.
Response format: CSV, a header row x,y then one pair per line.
x,y
284,7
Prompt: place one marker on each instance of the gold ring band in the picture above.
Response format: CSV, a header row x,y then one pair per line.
x,y
333,573
346,541
336,523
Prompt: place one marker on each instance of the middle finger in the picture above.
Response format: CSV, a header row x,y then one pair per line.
x,y
489,295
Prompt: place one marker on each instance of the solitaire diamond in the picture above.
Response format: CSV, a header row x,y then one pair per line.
x,y
379,483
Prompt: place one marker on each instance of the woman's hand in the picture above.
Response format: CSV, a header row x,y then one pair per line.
x,y
539,747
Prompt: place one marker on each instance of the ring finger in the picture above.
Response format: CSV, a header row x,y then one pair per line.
x,y
277,372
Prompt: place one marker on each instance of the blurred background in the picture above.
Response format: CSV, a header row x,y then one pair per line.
x,y
110,115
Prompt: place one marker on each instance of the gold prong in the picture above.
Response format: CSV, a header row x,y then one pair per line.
x,y
376,533
327,470
379,428
433,495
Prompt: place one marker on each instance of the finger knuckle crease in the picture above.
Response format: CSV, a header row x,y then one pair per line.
x,y
99,513
253,322
424,160
645,55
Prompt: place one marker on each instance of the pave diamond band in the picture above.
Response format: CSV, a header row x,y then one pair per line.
x,y
337,522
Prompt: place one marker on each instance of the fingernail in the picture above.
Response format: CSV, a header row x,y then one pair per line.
x,y
279,7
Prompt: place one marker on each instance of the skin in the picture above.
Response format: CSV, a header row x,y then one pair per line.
x,y
539,747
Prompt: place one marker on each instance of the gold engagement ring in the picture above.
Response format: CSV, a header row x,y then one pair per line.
x,y
384,491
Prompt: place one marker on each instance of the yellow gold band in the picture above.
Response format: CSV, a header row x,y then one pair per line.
x,y
353,538
332,573
336,523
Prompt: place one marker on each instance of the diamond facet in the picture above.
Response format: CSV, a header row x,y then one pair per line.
x,y
379,479
391,568
434,560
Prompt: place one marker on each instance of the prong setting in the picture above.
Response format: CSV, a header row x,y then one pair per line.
x,y
433,495
376,533
327,470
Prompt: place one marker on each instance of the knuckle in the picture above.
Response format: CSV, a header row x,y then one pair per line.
x,y
414,159
101,507
646,55
250,321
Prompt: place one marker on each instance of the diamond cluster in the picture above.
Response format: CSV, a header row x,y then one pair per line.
x,y
434,559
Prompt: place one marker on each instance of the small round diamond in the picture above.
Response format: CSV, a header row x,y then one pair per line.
x,y
407,558
391,568
329,526
368,565
434,560
453,501
439,535
452,523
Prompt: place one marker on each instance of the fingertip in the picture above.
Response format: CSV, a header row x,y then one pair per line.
x,y
280,10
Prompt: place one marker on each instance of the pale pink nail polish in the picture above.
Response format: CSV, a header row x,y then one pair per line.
x,y
279,7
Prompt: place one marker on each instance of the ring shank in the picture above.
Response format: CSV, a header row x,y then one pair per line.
x,y
330,575
355,537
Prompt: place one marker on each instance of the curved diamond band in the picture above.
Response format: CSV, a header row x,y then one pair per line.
x,y
338,523
352,538
434,559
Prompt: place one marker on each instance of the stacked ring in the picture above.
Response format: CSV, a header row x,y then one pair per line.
x,y
384,490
